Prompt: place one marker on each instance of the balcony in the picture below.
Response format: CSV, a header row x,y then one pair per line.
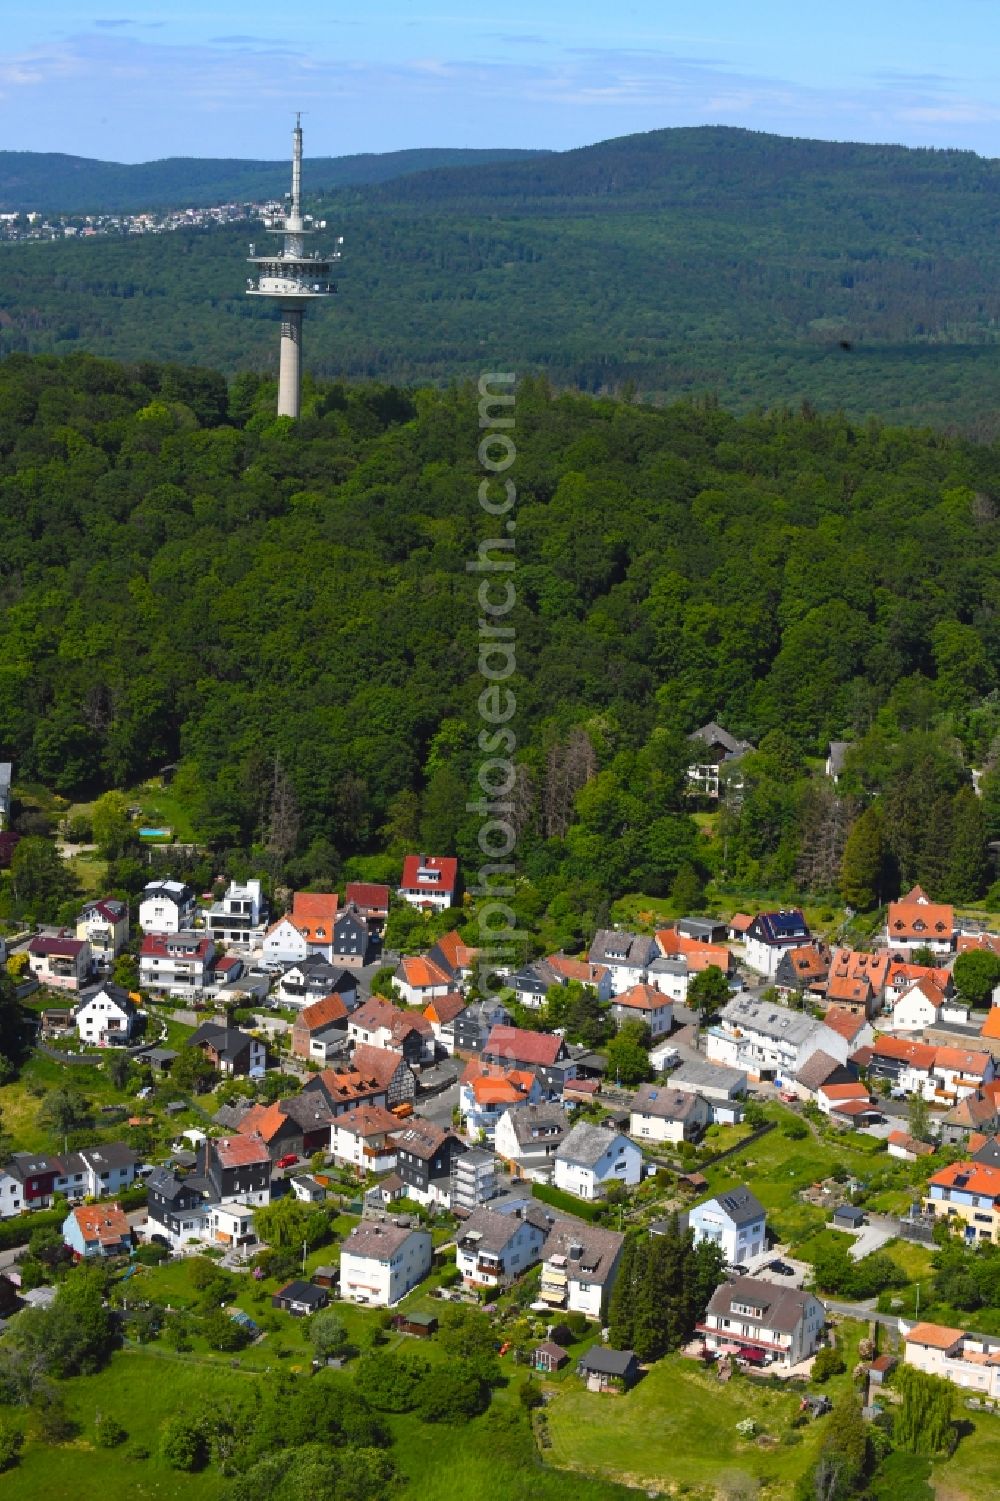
x,y
486,1268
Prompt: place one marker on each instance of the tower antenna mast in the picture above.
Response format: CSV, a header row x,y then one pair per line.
x,y
293,278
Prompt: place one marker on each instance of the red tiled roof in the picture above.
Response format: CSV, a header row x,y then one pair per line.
x,y
855,964
367,896
66,948
917,1054
445,865
916,920
844,1091
844,1023
422,974
698,955
366,1120
106,1223
852,1107
523,1047
314,914
963,1060
171,945
376,1065
577,969
445,1008
322,1013
909,1143
642,998
456,952
991,1026
740,921
936,1336
978,1178
240,1150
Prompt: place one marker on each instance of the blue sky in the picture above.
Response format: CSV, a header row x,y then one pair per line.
x,y
221,78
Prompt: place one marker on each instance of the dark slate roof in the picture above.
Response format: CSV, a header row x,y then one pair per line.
x,y
302,1292
740,1205
608,1362
782,1308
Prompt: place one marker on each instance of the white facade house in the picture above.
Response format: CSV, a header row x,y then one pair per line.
x,y
734,1221
626,956
768,1041
108,1018
591,1157
166,907
671,976
381,1262
921,1006
770,936
495,1246
968,1360
429,881
237,920
363,1138
660,1113
284,943
782,1325
180,963
579,1267
527,1137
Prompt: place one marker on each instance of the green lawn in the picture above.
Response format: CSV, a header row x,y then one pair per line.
x,y
678,1427
971,1472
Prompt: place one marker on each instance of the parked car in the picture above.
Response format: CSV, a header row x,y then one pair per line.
x,y
737,1269
781,1268
289,1160
788,1097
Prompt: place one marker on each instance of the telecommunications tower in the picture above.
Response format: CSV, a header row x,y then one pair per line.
x,y
293,277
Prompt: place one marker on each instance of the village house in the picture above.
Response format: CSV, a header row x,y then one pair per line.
x,y
768,1041
59,961
496,1246
381,1024
300,1299
971,1361
425,1157
770,936
848,1104
372,901
442,1013
28,1181
915,922
176,1207
919,1007
856,981
473,1180
721,1088
231,1052
714,748
97,1172
579,1266
531,984
237,920
647,1005
353,943
474,1025
305,932
296,1127
853,1026
906,1147
762,1322
230,1226
592,1157
734,1221
319,1031
976,1114
313,978
180,963
527,1138
419,980
819,1071
364,1138
429,881
512,1047
376,1076
626,956
661,1113
697,953
381,1262
104,925
238,1168
967,1195
108,1018
901,976
487,1091
92,1230
803,970
166,907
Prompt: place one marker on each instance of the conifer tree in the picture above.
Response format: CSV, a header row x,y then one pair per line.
x,y
621,1314
968,872
861,867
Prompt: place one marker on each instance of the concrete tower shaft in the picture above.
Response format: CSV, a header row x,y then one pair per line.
x,y
293,277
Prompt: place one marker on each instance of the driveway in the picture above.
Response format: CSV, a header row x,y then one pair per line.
x,y
871,1237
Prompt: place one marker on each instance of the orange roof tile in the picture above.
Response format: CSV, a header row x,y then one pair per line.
x,y
314,914
844,1023
844,1091
421,974
577,969
991,1026
444,1008
642,998
917,920
937,1336
978,1178
106,1223
962,1059
456,952
322,1013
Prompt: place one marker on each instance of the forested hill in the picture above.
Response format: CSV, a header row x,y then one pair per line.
x,y
183,577
52,182
762,269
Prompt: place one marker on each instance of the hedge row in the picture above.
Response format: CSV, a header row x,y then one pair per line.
x,y
561,1200
18,1231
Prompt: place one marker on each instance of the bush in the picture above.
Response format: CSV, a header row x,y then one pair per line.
x,y
184,1445
108,1432
11,1444
137,1451
530,1394
450,1276
451,1394
151,1255
794,1129
829,1362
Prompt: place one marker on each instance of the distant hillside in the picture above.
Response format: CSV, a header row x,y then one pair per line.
x,y
53,183
766,270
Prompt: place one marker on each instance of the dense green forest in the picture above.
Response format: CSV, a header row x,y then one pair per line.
x,y
285,610
52,182
762,269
